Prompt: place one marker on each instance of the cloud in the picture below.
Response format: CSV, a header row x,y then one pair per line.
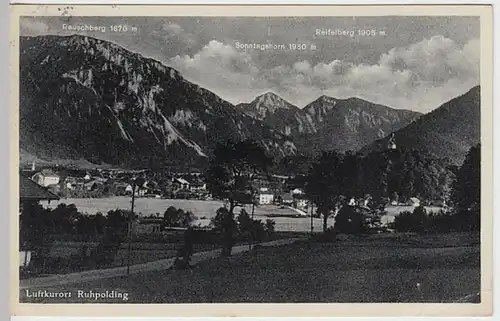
x,y
437,59
420,76
31,27
173,31
173,38
223,69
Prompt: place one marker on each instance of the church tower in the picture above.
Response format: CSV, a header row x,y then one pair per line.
x,y
392,142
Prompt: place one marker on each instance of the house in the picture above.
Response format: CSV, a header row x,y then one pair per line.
x,y
364,201
300,201
197,187
297,191
67,173
95,173
93,185
30,193
46,177
128,189
285,199
180,183
121,188
196,184
139,190
266,198
413,201
71,185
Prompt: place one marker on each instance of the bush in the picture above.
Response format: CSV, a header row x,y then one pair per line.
x,y
416,222
244,223
270,226
173,217
254,230
217,222
258,230
115,234
421,222
225,224
441,222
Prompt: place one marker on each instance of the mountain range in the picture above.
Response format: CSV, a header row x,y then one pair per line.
x,y
85,98
329,123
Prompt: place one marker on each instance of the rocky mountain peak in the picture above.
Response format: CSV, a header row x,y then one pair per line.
x,y
267,105
270,102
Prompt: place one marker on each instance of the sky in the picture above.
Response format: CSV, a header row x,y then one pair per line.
x,y
414,63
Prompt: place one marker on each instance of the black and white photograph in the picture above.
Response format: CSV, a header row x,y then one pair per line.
x,y
250,159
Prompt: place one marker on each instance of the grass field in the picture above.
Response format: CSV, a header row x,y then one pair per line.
x,y
204,210
143,249
362,269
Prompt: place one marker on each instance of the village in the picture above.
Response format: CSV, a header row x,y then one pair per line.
x,y
69,182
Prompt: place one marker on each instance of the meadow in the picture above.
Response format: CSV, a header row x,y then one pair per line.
x,y
377,268
205,210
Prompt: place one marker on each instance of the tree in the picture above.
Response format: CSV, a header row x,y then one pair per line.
x,y
323,186
173,217
352,176
270,226
115,234
375,168
229,177
186,251
245,223
223,223
187,219
349,221
466,191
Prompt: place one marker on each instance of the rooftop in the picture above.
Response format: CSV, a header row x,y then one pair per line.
x,y
31,191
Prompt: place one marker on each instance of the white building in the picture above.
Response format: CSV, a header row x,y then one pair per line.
x,y
265,198
413,201
46,178
195,187
181,183
301,203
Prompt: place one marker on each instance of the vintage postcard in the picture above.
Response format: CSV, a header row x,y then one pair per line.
x,y
251,160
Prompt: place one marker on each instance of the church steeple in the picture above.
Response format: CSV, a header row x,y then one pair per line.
x,y
392,142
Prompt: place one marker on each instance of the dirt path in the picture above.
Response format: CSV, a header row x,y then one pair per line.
x,y
164,264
